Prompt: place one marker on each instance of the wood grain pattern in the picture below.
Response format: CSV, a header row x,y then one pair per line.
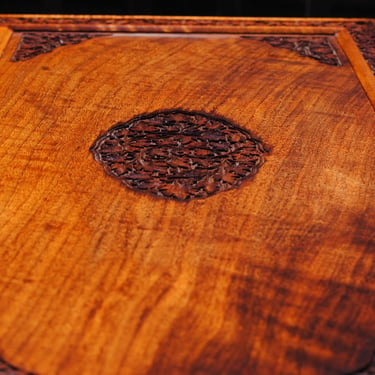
x,y
362,30
5,34
359,64
275,277
33,44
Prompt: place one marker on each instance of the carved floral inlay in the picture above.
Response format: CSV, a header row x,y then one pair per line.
x,y
35,43
318,48
178,154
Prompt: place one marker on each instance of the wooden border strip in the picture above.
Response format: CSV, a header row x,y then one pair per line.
x,y
359,64
5,34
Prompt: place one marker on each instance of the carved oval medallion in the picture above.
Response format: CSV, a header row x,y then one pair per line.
x,y
178,154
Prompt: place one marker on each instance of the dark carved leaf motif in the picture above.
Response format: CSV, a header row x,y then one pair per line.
x,y
35,43
179,155
317,48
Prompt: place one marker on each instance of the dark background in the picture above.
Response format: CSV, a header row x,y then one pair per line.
x,y
255,8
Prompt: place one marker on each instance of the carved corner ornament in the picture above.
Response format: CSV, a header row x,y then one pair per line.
x,y
35,43
362,31
179,154
7,369
317,48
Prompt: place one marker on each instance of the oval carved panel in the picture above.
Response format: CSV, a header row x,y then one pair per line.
x,y
179,154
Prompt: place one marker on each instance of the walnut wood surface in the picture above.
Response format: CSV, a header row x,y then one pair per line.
x,y
274,277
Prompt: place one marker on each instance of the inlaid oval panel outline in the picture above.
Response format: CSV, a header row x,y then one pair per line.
x,y
179,154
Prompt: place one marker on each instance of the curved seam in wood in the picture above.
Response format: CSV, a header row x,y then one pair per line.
x,y
7,369
367,369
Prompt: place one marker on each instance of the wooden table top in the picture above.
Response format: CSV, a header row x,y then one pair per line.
x,y
186,195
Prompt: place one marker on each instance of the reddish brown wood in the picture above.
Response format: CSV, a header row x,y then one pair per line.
x,y
318,48
368,369
273,277
5,35
8,369
34,43
363,31
364,35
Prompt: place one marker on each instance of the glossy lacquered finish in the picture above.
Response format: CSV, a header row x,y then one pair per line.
x,y
274,275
